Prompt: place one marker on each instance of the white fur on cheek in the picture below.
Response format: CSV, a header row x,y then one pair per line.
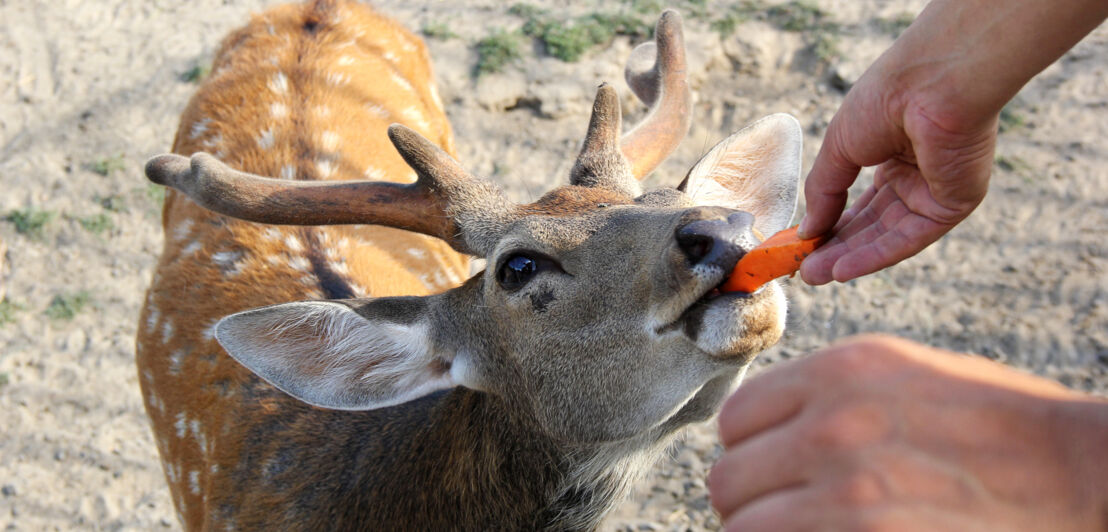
x,y
728,329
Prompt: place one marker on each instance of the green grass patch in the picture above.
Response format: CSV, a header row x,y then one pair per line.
x,y
107,165
67,306
114,203
826,47
1011,163
97,224
498,50
31,222
569,39
196,74
798,16
1011,119
155,193
438,30
8,310
4,379
726,25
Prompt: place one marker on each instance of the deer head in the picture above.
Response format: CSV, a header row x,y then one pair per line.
x,y
598,316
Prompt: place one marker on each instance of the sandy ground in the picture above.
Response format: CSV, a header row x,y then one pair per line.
x,y
92,88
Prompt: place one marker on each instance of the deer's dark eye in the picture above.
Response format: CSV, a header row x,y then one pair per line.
x,y
516,271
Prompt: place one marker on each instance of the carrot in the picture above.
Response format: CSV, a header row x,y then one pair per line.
x,y
781,254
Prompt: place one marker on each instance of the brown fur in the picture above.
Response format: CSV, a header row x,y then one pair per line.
x,y
187,379
564,396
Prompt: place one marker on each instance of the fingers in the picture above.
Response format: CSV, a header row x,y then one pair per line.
x,y
767,400
888,224
783,511
825,189
761,465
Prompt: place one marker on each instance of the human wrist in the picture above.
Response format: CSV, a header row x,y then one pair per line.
x,y
1081,426
961,61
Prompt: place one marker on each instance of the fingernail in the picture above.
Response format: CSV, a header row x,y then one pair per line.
x,y
802,231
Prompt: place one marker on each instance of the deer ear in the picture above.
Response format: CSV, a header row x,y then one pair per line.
x,y
330,355
756,170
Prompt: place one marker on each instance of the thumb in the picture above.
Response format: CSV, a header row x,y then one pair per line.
x,y
825,189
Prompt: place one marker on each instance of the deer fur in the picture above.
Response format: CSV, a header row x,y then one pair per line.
x,y
343,377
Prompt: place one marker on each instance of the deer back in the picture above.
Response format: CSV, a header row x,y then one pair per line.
x,y
303,92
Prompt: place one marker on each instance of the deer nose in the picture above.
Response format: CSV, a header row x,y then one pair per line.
x,y
716,242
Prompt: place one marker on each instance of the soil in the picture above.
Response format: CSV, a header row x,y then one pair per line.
x,y
89,90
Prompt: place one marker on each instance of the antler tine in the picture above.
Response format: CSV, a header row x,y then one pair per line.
x,y
601,164
249,197
665,87
477,208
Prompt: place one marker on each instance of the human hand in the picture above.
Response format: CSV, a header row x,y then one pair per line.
x,y
878,433
931,176
925,114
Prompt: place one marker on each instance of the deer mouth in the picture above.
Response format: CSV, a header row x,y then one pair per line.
x,y
689,316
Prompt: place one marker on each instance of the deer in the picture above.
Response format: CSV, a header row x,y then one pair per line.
x,y
313,353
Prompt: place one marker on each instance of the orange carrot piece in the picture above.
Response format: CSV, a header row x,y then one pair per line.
x,y
781,254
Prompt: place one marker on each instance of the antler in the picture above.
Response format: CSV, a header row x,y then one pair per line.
x,y
443,202
601,164
665,87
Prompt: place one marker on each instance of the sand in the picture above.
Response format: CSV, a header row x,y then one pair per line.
x,y
89,90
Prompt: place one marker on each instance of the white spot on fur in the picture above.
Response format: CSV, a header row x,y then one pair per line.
x,y
199,128
198,433
266,139
227,261
278,110
294,244
336,79
209,331
418,253
176,358
322,111
377,110
181,425
288,171
329,140
416,116
339,268
271,233
152,319
300,264
191,248
183,229
374,174
214,142
279,83
404,84
434,95
194,482
167,331
325,167
345,60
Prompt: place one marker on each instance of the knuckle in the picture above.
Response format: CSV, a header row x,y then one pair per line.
x,y
849,427
863,355
861,488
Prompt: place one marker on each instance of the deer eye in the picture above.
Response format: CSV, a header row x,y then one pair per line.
x,y
516,271
518,268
